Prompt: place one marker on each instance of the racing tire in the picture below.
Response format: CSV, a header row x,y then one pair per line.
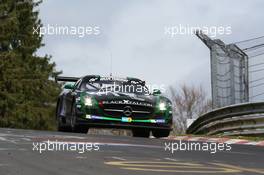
x,y
62,127
158,133
75,127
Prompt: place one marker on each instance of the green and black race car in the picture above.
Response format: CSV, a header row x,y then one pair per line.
x,y
94,101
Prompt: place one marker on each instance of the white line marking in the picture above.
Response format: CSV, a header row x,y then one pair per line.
x,y
251,143
195,139
7,140
26,139
13,149
233,141
22,149
118,158
157,159
170,159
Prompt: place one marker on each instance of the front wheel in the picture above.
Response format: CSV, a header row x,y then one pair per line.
x,y
141,133
74,124
62,127
158,133
61,121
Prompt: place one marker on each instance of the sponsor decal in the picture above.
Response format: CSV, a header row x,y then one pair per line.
x,y
128,102
126,119
160,121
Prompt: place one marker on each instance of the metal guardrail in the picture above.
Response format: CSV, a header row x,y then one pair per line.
x,y
239,119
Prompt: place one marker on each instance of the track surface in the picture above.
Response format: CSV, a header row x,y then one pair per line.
x,y
118,155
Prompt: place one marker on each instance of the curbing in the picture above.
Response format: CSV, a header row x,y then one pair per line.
x,y
218,140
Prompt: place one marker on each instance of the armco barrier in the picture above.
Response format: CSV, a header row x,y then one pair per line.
x,y
239,119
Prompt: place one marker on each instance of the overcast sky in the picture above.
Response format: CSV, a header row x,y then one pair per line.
x,y
132,31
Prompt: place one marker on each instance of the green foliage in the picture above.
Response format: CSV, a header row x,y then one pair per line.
x,y
28,91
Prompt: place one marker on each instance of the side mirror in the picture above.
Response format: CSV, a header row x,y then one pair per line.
x,y
68,86
156,92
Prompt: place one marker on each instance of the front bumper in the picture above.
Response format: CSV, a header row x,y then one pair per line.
x,y
123,122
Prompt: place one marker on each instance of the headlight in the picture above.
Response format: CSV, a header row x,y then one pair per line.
x,y
162,106
88,101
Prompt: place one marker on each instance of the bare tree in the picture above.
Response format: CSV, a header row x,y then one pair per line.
x,y
189,102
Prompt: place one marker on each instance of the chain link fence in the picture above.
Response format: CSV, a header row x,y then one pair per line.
x,y
229,72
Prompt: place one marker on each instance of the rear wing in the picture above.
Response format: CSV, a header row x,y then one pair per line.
x,y
136,80
67,79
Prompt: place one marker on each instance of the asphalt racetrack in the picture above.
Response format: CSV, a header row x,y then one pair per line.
x,y
25,152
